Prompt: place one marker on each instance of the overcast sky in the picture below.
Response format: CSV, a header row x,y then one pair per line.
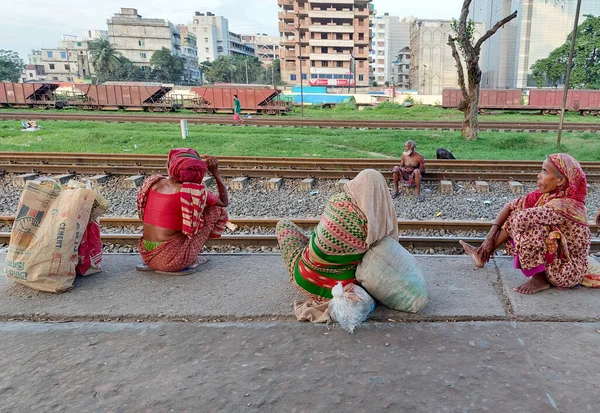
x,y
41,23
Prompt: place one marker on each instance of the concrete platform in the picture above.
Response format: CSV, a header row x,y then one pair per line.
x,y
238,287
576,304
255,286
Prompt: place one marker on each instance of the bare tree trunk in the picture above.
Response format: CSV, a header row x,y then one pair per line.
x,y
470,128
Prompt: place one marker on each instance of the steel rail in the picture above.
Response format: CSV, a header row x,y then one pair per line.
x,y
410,242
271,173
299,122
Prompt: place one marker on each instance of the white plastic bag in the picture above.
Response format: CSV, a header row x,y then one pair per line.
x,y
350,306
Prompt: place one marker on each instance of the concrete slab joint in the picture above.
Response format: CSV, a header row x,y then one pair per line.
x,y
274,184
515,187
446,187
134,181
239,184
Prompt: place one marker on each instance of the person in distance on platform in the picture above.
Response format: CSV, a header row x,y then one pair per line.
x,y
237,109
546,231
410,170
180,214
353,221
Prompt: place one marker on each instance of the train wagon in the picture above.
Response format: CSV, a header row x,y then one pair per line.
x,y
28,95
115,97
253,99
546,101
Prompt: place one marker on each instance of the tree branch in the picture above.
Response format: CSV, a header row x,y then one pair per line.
x,y
493,30
459,67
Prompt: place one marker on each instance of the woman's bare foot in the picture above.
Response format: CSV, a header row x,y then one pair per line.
x,y
201,260
536,284
471,251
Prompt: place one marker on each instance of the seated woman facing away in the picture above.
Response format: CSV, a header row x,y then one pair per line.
x,y
179,213
546,231
353,221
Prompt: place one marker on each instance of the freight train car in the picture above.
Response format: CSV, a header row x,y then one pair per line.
x,y
546,101
253,99
115,97
27,95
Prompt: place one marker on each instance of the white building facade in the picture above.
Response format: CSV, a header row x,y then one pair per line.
x,y
390,35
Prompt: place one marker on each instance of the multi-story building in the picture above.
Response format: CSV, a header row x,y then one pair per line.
x,y
189,52
69,61
137,38
390,35
432,67
401,69
215,39
326,42
266,48
540,27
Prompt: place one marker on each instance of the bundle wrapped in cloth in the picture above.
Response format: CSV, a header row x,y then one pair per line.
x,y
51,220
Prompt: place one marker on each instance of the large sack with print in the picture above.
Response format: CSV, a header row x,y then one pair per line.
x,y
45,238
391,275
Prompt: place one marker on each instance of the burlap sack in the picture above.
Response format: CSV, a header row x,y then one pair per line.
x,y
392,275
46,234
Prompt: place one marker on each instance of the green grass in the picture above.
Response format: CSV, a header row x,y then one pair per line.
x,y
142,138
385,111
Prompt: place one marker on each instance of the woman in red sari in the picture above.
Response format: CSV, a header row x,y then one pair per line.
x,y
179,213
546,231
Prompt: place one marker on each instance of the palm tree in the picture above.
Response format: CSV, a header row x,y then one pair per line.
x,y
105,58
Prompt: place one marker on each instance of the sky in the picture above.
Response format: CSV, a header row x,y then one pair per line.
x,y
43,22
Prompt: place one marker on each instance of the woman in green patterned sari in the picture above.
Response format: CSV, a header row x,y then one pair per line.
x,y
353,221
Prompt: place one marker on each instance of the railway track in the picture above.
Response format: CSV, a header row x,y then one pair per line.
x,y
300,122
411,242
267,167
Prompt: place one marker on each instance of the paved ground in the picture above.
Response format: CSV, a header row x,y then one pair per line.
x,y
501,356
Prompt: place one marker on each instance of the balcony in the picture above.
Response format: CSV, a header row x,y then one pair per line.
x,y
331,28
330,70
287,41
285,2
331,56
331,14
286,15
286,28
332,43
362,13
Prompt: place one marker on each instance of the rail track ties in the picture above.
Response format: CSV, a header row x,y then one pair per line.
x,y
294,122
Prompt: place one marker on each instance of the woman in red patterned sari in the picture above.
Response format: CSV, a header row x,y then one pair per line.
x,y
546,231
179,213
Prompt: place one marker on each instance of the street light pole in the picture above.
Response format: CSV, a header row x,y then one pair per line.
x,y
568,76
301,76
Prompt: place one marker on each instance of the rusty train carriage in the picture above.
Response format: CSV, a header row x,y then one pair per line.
x,y
27,95
219,99
586,102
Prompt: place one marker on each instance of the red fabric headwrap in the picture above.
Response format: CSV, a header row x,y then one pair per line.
x,y
185,165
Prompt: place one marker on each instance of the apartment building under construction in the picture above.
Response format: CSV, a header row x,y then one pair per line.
x,y
326,42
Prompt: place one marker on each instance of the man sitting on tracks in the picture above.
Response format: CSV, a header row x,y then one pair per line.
x,y
546,231
410,170
180,214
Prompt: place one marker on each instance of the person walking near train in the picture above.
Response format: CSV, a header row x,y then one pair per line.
x,y
237,109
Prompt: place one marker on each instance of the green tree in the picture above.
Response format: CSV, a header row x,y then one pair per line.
x,y
11,66
166,67
273,73
105,59
237,69
127,71
585,74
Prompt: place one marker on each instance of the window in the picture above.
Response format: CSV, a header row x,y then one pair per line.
x,y
292,77
304,76
63,55
324,36
339,64
205,29
313,63
67,67
323,50
142,55
361,36
54,78
141,42
360,78
324,64
338,76
206,49
313,76
30,74
69,78
78,44
206,40
49,54
339,36
51,66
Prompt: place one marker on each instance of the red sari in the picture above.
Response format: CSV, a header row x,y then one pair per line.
x,y
549,232
199,221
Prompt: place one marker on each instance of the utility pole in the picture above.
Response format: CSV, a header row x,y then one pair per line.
x,y
273,72
246,69
301,76
568,76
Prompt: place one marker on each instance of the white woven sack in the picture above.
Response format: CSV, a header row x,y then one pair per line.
x,y
391,275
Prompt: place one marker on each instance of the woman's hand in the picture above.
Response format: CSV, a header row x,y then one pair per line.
x,y
213,164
